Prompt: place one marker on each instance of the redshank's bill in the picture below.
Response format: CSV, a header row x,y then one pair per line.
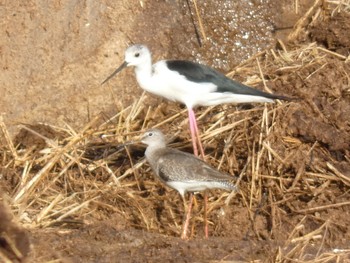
x,y
182,171
190,83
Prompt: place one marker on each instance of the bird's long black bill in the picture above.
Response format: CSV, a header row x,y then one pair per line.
x,y
121,67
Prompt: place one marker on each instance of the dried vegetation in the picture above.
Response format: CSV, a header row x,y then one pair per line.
x,y
291,160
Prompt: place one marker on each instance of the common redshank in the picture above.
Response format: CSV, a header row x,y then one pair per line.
x,y
182,171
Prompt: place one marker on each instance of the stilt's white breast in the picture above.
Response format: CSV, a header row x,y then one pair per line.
x,y
174,86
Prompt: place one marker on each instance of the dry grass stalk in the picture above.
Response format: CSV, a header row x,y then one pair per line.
x,y
320,208
13,248
4,258
342,177
340,6
26,190
8,138
300,25
199,21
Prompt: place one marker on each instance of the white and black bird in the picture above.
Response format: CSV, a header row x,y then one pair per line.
x,y
189,83
182,171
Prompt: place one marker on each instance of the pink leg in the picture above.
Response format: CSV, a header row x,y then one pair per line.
x,y
195,133
195,150
195,139
187,219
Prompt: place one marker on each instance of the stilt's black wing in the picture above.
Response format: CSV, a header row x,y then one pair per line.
x,y
200,73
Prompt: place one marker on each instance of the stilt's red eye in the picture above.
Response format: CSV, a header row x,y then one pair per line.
x,y
137,55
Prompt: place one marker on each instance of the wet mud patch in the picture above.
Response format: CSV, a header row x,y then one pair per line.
x,y
139,246
325,98
332,33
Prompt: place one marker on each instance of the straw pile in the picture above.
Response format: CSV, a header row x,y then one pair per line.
x,y
291,160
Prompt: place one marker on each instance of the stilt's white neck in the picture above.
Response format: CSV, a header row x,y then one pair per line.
x,y
144,73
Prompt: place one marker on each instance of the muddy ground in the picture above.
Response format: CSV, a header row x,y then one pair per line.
x,y
292,161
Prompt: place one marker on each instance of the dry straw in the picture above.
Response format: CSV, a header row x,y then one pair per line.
x,y
81,173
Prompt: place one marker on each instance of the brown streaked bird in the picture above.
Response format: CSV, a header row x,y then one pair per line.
x,y
182,171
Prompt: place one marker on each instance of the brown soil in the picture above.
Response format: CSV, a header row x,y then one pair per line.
x,y
76,196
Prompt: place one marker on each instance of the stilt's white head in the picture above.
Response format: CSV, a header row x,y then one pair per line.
x,y
137,55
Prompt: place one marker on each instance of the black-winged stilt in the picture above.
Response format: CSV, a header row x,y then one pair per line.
x,y
190,83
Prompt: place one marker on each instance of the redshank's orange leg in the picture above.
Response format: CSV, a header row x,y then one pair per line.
x,y
188,215
206,227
